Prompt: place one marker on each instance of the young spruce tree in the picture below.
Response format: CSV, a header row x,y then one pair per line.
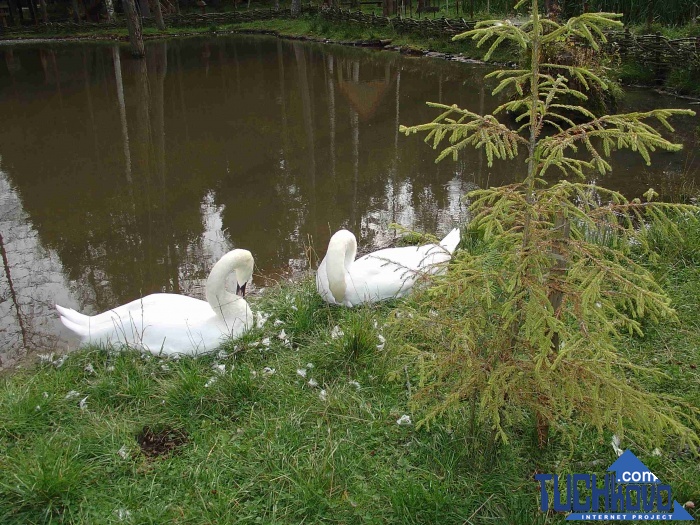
x,y
526,326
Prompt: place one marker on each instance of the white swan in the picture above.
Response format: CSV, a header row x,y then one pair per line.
x,y
164,323
379,275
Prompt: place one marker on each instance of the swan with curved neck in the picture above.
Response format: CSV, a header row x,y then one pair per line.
x,y
380,275
169,324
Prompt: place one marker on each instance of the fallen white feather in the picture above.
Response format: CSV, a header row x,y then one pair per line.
x,y
616,445
404,420
83,403
312,383
301,372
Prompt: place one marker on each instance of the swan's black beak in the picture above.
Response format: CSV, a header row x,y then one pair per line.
x,y
240,290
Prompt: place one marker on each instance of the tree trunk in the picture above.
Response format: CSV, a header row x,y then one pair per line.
x,y
76,11
160,24
133,24
32,11
144,8
19,11
296,7
109,6
44,14
12,8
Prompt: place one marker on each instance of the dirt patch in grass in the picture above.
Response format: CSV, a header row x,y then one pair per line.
x,y
163,442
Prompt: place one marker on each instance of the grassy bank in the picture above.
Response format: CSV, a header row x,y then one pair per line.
x,y
298,422
308,26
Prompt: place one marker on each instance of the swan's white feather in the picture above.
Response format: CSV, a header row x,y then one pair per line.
x,y
383,274
167,323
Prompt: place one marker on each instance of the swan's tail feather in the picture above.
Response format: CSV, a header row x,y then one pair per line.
x,y
73,316
82,331
451,241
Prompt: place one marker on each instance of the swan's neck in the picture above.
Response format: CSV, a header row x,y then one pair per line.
x,y
342,249
227,305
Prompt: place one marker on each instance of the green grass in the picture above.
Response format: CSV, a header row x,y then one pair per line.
x,y
260,443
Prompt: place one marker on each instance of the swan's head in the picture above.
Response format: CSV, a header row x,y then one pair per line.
x,y
237,262
244,270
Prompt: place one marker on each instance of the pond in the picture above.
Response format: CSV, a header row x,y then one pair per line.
x,y
120,178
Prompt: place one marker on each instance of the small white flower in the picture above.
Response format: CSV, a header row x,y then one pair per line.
x,y
165,368
269,371
336,332
37,408
598,305
110,368
266,341
83,403
301,372
656,452
72,394
210,382
382,342
46,395
278,322
404,420
312,383
355,384
309,365
323,395
219,369
123,452
283,335
294,307
253,373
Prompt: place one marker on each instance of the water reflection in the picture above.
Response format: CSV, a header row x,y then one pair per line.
x,y
122,178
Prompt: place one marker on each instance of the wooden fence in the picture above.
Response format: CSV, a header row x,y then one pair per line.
x,y
442,26
655,51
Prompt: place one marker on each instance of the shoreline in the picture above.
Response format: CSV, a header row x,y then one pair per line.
x,y
386,44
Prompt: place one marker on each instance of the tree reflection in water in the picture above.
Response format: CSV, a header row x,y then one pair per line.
x,y
123,178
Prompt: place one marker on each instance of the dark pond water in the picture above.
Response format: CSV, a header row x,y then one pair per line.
x,y
120,178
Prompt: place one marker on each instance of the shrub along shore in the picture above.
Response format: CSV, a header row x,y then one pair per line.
x,y
306,419
676,77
